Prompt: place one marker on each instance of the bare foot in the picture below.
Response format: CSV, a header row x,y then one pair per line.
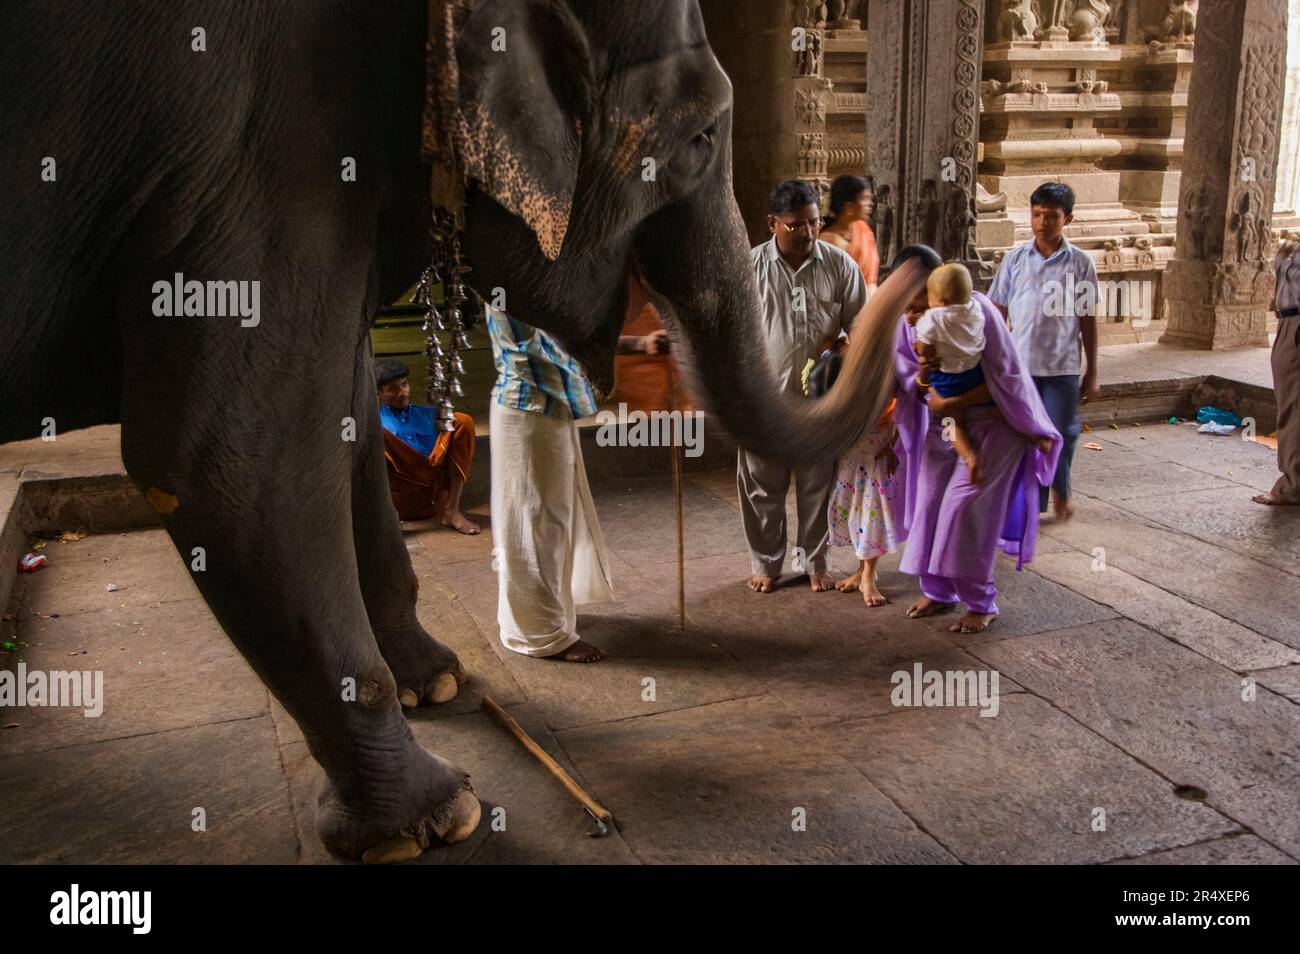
x,y
458,521
1271,499
820,582
972,622
760,584
927,607
1063,508
580,652
871,594
849,583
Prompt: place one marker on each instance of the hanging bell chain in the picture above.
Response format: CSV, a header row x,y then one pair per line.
x,y
444,366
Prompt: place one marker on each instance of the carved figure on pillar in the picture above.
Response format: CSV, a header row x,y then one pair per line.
x,y
1245,223
927,214
1216,288
1088,20
1180,24
843,16
1198,215
885,222
1018,21
959,229
810,57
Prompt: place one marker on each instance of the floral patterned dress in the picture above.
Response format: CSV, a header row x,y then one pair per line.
x,y
861,506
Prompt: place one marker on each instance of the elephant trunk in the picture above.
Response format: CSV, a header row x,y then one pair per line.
x,y
696,263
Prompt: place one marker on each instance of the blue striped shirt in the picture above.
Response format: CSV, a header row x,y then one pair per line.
x,y
534,373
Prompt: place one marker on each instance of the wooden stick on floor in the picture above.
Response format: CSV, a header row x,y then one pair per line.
x,y
600,813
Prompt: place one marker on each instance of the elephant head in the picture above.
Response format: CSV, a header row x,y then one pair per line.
x,y
595,149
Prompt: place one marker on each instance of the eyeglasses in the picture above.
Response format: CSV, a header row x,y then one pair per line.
x,y
805,226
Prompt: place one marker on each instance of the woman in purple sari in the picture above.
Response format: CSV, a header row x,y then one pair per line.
x,y
954,527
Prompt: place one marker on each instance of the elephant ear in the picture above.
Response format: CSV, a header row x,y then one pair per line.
x,y
510,82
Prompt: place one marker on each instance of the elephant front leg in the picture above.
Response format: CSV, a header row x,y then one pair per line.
x,y
424,669
280,574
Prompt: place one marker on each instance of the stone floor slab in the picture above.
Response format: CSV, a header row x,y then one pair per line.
x,y
528,817
1127,473
638,518
143,565
1227,457
133,800
1284,681
169,667
1232,850
1022,787
641,640
1270,535
1177,712
725,783
828,656
1197,628
1226,583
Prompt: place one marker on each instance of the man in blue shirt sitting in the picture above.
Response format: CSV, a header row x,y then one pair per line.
x,y
427,468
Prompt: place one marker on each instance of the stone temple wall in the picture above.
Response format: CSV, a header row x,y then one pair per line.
x,y
1091,92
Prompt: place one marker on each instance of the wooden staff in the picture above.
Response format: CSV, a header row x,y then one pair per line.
x,y
602,815
676,452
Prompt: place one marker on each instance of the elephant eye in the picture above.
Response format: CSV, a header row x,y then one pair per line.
x,y
695,157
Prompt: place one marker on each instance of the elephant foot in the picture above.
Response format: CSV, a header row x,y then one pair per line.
x,y
424,670
426,803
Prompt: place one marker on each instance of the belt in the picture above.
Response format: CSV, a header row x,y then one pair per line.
x,y
1288,312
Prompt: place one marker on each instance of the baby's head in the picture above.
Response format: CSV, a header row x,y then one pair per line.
x,y
949,285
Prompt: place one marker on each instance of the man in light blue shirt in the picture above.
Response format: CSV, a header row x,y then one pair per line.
x,y
1048,291
427,468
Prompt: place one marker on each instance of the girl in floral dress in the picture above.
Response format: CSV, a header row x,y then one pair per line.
x,y
861,506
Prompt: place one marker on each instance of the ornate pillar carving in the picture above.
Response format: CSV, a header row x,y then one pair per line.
x,y
1219,287
923,74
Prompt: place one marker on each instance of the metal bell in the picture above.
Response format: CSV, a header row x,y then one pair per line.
x,y
460,341
432,319
455,365
454,389
446,415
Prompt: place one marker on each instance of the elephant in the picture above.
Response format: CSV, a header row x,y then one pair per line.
x,y
203,141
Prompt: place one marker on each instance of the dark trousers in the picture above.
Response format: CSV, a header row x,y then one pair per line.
x,y
1060,394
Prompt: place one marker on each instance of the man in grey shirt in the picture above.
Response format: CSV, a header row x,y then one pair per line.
x,y
810,293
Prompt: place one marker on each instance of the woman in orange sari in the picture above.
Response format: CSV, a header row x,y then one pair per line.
x,y
852,202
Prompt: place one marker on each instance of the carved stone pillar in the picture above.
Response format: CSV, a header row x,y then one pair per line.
x,y
812,94
923,74
1219,287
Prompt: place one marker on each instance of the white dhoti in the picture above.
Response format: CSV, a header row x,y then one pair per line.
x,y
546,537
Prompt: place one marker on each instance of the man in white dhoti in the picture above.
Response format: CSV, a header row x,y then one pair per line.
x,y
810,292
547,544
546,540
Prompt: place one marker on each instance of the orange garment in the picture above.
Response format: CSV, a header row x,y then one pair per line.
x,y
644,382
862,249
416,480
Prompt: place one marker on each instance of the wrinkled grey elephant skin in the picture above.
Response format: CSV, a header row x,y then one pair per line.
x,y
229,165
